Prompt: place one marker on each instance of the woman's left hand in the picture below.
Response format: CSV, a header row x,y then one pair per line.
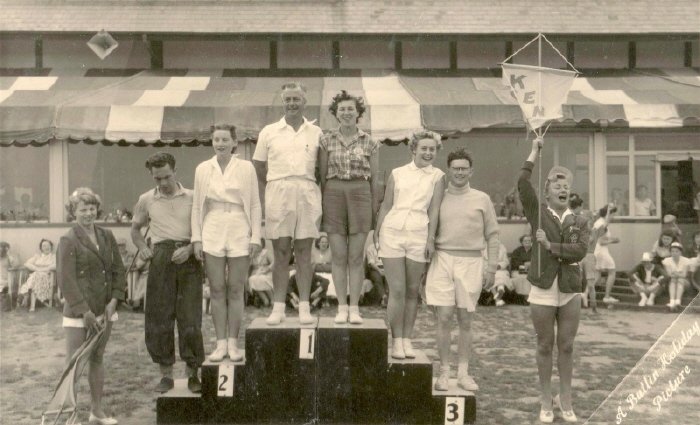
x,y
429,249
254,249
542,238
110,309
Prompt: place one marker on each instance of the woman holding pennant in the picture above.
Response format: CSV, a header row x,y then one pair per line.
x,y
555,298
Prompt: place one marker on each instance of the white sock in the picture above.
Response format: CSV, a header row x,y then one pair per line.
x,y
342,308
355,309
233,342
444,369
304,306
462,369
278,307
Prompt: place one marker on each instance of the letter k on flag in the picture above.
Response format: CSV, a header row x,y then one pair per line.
x,y
540,92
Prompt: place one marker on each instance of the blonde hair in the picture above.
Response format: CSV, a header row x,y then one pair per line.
x,y
85,195
424,134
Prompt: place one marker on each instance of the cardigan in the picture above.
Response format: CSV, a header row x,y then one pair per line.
x,y
568,241
249,194
89,278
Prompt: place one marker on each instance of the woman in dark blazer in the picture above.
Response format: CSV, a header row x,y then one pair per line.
x,y
92,278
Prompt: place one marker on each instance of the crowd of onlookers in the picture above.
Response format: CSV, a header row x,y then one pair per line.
x,y
667,267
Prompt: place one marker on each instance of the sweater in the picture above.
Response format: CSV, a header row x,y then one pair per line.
x,y
568,241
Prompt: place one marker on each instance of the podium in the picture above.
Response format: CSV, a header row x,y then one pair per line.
x,y
322,373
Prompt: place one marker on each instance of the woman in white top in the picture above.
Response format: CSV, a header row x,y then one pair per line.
x,y
405,234
603,260
678,268
40,282
226,219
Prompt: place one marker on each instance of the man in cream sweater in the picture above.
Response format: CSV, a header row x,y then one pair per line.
x,y
467,225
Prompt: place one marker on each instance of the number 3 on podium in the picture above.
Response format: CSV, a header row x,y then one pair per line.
x,y
454,410
306,343
225,382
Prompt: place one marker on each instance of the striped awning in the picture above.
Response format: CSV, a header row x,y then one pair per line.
x,y
151,107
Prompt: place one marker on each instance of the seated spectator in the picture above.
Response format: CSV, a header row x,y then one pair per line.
x,y
646,279
678,269
643,205
662,248
319,288
520,258
8,263
375,272
321,261
260,276
40,284
694,250
502,283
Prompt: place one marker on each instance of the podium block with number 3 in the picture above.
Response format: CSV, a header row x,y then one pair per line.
x,y
454,410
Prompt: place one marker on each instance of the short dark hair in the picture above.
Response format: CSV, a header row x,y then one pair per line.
x,y
343,96
45,240
460,153
522,238
575,201
160,159
227,127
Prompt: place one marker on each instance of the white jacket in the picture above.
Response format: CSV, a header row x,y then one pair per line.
x,y
249,193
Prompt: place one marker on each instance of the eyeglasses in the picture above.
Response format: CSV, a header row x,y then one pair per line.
x,y
460,169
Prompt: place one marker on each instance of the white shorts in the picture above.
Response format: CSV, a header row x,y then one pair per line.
x,y
603,260
551,297
403,243
292,209
225,232
454,281
78,322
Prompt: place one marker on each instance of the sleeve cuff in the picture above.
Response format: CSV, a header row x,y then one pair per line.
x,y
529,166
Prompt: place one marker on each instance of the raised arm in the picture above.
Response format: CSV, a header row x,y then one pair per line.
x,y
528,195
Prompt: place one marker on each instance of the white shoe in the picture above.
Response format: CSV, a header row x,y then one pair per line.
x,y
408,349
275,318
443,381
355,318
650,300
642,300
500,303
220,352
233,353
670,303
567,415
102,421
397,351
305,317
610,300
467,383
341,316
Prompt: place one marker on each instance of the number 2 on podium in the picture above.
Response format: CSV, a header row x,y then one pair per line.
x,y
306,343
225,382
454,410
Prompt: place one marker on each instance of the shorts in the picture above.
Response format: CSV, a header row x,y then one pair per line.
x,y
588,266
551,297
260,282
454,281
604,261
292,209
403,243
225,232
78,322
347,207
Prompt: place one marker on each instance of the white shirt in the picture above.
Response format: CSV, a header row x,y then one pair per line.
x,y
683,266
413,191
288,153
226,186
643,207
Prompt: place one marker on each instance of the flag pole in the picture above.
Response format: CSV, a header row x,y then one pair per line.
x,y
539,152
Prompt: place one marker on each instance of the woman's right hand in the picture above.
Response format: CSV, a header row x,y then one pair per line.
x,y
91,321
198,253
537,143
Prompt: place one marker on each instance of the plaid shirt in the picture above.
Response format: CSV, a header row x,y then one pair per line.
x,y
348,160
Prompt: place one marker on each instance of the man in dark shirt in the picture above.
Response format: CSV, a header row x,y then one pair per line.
x,y
646,279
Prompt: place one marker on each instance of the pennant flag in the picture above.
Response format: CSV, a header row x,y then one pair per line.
x,y
540,92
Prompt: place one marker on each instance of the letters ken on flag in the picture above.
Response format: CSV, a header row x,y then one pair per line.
x,y
540,92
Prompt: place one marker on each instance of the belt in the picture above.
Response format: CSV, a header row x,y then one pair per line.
x,y
169,243
349,179
224,206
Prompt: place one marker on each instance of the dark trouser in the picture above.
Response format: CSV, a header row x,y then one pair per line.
x,y
174,292
379,286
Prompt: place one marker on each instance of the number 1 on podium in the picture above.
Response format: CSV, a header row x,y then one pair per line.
x,y
307,340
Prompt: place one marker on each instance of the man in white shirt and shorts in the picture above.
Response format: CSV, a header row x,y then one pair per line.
x,y
285,161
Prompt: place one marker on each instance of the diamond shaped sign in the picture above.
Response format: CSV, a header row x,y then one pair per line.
x,y
102,44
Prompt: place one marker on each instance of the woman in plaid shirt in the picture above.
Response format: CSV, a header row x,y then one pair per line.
x,y
349,165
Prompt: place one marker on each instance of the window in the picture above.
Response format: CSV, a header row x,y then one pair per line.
x,y
304,54
550,58
644,187
618,183
660,54
680,189
24,183
69,51
216,54
118,174
367,54
480,54
601,54
17,52
572,153
425,54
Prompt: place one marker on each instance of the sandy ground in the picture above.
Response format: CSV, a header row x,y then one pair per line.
x,y
609,345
